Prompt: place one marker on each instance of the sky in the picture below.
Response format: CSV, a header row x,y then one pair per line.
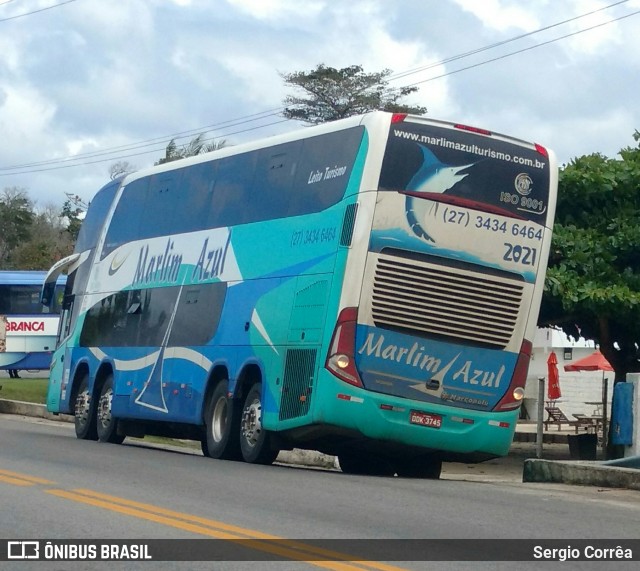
x,y
87,83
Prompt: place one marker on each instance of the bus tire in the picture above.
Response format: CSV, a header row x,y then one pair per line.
x,y
358,464
106,424
427,467
255,441
222,425
84,412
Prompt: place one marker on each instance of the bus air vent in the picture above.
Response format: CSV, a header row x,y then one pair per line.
x,y
348,224
454,304
297,383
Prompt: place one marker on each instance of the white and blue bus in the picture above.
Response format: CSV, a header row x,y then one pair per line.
x,y
367,288
28,330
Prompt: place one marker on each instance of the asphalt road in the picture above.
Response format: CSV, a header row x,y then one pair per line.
x,y
55,487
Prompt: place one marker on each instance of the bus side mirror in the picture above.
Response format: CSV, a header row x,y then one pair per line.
x,y
47,295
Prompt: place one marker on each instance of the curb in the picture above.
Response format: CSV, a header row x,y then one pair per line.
x,y
31,409
580,473
546,438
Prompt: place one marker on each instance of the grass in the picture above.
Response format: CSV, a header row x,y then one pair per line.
x,y
27,390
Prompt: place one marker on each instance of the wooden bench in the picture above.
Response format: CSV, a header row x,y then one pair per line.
x,y
558,418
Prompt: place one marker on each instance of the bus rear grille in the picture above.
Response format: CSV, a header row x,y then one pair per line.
x,y
447,303
297,383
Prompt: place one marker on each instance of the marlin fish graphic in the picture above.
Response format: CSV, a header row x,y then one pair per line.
x,y
434,177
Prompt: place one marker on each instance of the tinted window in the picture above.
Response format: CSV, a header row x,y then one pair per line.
x,y
15,299
142,317
324,170
467,167
125,224
96,214
232,191
294,178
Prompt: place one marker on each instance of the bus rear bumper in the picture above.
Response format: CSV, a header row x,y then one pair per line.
x,y
455,432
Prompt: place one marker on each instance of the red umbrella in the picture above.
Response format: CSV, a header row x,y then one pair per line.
x,y
553,385
593,362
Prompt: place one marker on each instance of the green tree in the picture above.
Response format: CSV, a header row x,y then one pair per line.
x,y
48,241
593,281
72,211
332,94
16,218
196,146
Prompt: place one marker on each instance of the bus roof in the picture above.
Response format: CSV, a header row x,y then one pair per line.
x,y
25,277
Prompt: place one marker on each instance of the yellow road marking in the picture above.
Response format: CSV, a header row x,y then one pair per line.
x,y
281,547
15,481
30,480
290,549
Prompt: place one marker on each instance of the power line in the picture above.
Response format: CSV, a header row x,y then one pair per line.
x,y
501,43
504,56
127,156
149,142
34,11
33,166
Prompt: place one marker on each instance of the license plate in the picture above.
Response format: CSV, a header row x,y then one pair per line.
x,y
425,419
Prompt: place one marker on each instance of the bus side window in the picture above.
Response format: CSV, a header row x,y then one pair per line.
x,y
231,202
125,225
67,301
65,315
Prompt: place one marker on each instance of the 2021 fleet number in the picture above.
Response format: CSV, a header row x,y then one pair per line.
x,y
520,254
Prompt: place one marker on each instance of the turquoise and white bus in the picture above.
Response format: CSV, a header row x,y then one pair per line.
x,y
28,331
368,288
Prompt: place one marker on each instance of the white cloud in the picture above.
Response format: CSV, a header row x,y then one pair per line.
x,y
279,10
24,114
502,15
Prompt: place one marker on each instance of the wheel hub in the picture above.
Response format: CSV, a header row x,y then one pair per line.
x,y
82,407
251,425
104,408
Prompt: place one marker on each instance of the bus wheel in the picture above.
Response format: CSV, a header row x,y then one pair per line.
x,y
364,464
106,424
222,426
428,467
254,440
84,411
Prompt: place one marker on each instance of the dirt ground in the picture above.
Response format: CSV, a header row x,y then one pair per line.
x,y
509,467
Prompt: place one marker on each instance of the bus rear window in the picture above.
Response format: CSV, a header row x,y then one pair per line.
x,y
467,169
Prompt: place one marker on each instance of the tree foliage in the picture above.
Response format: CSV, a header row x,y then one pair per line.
x,y
30,238
16,219
593,280
120,168
196,146
331,94
72,211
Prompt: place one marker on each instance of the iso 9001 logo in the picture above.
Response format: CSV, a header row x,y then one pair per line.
x,y
23,550
523,184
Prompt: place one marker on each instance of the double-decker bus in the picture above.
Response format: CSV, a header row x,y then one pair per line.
x,y
368,288
28,330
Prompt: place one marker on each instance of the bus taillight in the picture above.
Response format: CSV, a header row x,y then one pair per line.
x,y
515,393
398,117
473,129
542,150
340,360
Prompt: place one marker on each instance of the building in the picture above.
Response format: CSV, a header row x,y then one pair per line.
x,y
581,392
